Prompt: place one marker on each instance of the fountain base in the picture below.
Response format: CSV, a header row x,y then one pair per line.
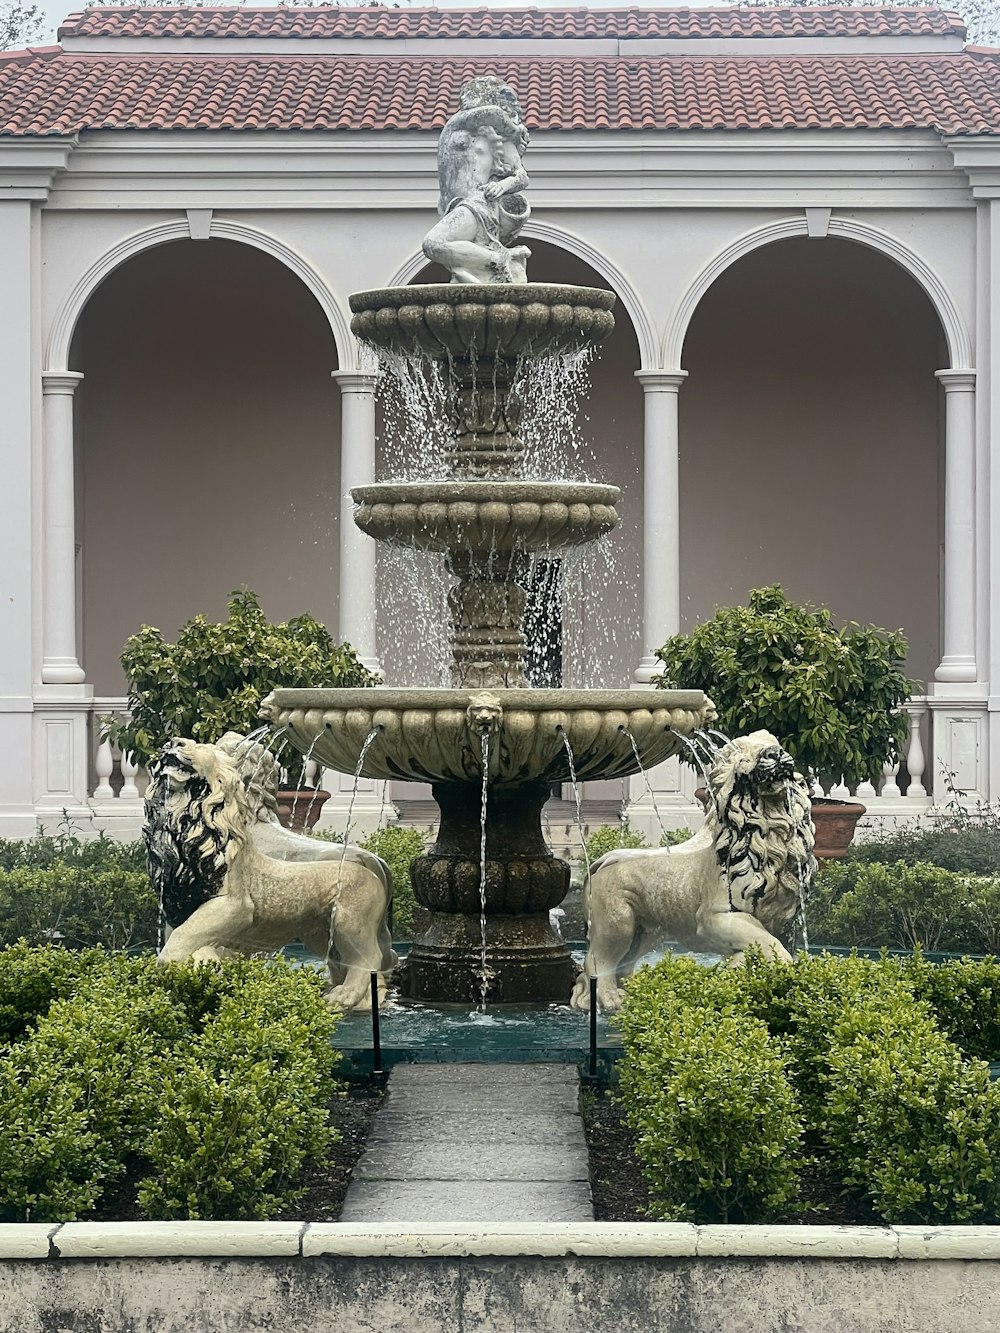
x,y
526,962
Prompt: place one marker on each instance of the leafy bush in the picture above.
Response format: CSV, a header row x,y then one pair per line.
x,y
211,1083
706,1092
213,679
969,849
882,1094
247,1105
68,849
904,906
81,905
609,837
831,696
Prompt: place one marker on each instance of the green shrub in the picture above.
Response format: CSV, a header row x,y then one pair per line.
x,y
101,904
213,679
969,850
964,996
68,849
707,1096
211,1083
904,906
246,1105
609,837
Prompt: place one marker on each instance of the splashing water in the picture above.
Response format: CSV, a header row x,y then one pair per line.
x,y
347,831
574,784
649,789
699,764
485,973
802,873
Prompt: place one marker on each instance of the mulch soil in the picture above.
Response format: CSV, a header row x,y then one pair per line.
x,y
620,1193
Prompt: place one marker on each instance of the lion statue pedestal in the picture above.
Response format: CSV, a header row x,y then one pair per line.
x,y
738,883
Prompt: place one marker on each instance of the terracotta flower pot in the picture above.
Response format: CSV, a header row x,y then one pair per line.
x,y
299,807
835,824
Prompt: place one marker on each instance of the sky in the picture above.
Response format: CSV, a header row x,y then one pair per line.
x,y
56,10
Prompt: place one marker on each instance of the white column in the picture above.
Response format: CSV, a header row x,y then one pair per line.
x,y
958,662
661,562
357,551
60,664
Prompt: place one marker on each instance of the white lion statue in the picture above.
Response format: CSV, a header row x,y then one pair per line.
x,y
740,881
221,893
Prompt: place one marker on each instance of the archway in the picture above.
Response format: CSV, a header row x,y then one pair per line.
x,y
811,439
207,429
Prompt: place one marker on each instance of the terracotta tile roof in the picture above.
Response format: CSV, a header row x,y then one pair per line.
x,y
56,93
335,22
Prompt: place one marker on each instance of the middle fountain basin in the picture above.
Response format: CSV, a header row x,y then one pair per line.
x,y
434,735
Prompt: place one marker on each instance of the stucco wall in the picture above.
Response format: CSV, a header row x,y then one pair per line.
x,y
208,432
810,439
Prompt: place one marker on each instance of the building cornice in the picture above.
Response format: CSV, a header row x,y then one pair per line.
x,y
28,167
978,157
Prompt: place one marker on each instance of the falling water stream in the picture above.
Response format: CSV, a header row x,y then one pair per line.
x,y
347,831
649,789
484,975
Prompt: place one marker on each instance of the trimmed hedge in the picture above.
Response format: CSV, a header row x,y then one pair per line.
x,y
207,1085
852,1060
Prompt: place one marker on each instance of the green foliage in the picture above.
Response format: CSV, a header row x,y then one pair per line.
x,y
904,906
246,1104
967,847
398,847
829,695
881,1092
211,1082
213,679
67,848
609,837
20,24
706,1092
114,908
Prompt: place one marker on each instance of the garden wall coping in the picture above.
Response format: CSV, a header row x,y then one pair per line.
x,y
106,1240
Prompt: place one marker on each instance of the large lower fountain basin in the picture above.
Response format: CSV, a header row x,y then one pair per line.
x,y
435,735
442,320
486,515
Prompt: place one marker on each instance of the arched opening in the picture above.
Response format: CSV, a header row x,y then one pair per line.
x,y
601,610
208,430
811,439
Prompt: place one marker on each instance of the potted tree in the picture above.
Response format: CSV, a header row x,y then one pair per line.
x,y
212,680
831,695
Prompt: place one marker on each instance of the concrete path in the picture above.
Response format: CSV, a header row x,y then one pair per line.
x,y
475,1143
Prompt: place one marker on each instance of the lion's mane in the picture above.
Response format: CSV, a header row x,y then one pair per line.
x,y
192,830
763,839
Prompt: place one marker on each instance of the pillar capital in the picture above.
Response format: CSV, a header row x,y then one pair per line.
x,y
957,381
355,381
661,381
60,381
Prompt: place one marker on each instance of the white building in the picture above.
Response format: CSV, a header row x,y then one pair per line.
x,y
798,209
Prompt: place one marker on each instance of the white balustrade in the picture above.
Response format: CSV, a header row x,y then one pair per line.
x,y
117,776
104,766
916,710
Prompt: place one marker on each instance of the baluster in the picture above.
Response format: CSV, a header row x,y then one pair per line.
x,y
816,791
866,791
104,766
915,761
890,787
129,791
840,791
310,773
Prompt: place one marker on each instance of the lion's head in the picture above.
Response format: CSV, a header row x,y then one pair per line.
x,y
260,773
763,826
196,821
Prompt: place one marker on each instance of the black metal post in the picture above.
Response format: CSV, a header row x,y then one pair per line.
x,y
376,1035
593,1027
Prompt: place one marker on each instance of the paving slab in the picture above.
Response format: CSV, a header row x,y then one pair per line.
x,y
473,1161
475,1143
467,1201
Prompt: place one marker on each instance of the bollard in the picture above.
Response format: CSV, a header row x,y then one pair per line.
x,y
376,1036
593,1027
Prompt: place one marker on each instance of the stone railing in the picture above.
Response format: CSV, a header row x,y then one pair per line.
x,y
905,787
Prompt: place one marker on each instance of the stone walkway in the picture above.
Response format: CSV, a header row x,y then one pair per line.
x,y
475,1143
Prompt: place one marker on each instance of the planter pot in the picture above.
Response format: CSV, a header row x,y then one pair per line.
x,y
835,823
299,807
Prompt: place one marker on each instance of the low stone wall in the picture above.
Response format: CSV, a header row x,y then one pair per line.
x,y
222,1277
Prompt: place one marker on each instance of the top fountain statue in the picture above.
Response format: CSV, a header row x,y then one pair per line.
x,y
481,174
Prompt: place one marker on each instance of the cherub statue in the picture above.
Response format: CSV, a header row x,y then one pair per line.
x,y
481,174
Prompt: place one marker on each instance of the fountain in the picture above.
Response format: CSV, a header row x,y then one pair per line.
x,y
489,880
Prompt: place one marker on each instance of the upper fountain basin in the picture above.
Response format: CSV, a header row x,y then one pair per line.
x,y
442,320
435,735
486,515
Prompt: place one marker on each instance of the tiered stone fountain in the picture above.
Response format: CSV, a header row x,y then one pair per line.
x,y
489,744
